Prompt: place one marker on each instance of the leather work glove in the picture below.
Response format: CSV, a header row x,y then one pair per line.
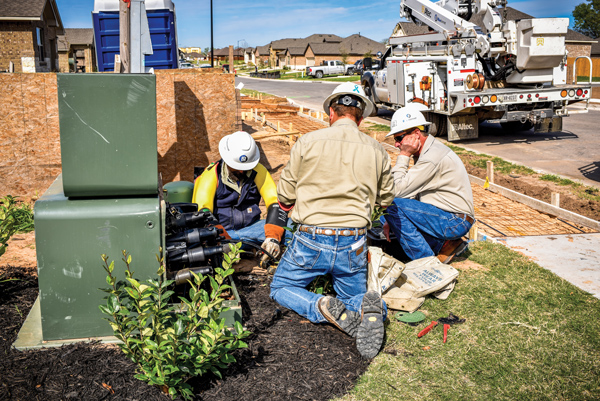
x,y
270,245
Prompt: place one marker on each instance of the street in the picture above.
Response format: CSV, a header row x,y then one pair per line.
x,y
573,153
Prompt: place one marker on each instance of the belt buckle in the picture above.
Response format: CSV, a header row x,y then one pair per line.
x,y
328,231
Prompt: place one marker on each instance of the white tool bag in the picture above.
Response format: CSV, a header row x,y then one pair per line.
x,y
403,287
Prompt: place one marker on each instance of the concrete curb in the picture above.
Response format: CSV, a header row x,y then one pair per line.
x,y
292,80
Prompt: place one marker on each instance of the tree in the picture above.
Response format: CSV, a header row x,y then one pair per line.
x,y
344,55
206,50
587,18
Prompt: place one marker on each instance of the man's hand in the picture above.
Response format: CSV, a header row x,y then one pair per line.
x,y
386,231
410,145
270,245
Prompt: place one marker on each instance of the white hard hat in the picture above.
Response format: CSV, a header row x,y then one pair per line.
x,y
406,118
348,88
239,151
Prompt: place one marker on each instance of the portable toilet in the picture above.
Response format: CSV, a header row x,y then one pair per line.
x,y
163,34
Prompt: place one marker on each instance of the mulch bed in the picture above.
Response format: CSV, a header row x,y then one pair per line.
x,y
288,357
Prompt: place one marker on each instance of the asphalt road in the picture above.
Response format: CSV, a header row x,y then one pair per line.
x,y
573,153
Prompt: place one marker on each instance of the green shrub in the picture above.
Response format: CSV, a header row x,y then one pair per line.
x,y
171,344
15,218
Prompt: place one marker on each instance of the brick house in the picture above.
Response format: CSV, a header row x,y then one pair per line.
x,y
28,35
76,45
312,50
223,54
261,54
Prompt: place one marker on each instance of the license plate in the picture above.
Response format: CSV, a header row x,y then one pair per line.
x,y
510,98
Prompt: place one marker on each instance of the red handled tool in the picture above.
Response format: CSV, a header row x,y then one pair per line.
x,y
446,321
427,329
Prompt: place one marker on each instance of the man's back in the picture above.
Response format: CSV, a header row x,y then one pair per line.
x,y
335,176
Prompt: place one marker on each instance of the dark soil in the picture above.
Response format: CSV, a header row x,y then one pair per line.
x,y
288,357
534,187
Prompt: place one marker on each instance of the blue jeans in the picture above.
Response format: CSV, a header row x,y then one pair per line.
x,y
309,256
422,228
256,232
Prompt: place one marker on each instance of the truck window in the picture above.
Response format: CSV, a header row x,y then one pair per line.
x,y
338,63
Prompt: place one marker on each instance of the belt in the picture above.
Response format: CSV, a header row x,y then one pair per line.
x,y
465,216
332,231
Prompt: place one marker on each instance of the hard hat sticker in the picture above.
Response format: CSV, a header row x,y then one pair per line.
x,y
243,158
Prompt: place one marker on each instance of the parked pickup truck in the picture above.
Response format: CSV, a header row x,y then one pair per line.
x,y
330,67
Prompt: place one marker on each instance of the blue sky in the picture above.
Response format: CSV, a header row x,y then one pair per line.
x,y
259,22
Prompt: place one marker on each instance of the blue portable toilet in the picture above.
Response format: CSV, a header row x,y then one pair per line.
x,y
163,34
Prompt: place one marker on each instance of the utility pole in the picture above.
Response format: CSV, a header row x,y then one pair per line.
x,y
212,47
124,48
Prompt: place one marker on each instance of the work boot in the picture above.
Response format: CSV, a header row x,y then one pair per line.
x,y
450,249
369,336
336,313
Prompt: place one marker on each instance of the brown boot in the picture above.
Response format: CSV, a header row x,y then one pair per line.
x,y
336,313
450,249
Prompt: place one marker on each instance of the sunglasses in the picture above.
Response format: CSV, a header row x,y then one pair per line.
x,y
399,138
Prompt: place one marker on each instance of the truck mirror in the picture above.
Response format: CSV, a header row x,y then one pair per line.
x,y
379,54
368,63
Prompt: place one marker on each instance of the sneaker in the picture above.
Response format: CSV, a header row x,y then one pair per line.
x,y
369,336
450,249
336,313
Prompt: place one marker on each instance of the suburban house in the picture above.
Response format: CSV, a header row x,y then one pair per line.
x,y
249,55
76,52
28,35
261,55
223,54
299,53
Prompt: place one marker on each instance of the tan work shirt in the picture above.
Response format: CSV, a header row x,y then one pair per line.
x,y
335,176
438,178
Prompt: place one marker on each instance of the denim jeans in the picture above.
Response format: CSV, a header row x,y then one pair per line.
x,y
311,255
255,233
422,228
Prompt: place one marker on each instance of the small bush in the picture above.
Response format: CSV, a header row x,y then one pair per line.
x,y
172,344
15,218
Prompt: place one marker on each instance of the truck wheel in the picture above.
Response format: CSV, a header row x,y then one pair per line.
x,y
517,125
369,93
439,124
319,74
350,71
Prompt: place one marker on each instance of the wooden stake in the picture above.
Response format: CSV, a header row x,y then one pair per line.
x,y
290,129
473,232
490,171
278,126
301,110
555,199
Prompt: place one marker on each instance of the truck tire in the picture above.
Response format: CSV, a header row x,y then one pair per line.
x,y
439,124
517,125
369,93
319,74
350,71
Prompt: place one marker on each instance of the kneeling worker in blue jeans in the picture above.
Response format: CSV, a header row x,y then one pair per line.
x,y
333,180
434,202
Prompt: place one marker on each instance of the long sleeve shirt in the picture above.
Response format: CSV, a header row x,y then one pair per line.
x,y
335,176
438,178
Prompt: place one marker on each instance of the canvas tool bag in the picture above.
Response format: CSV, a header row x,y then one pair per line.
x,y
403,287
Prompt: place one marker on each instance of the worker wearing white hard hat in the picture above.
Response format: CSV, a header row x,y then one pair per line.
x,y
232,189
433,207
333,180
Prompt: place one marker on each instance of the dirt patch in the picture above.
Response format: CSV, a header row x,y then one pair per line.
x,y
465,264
532,186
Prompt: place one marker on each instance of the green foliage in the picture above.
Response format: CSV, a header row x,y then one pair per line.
x,y
556,179
169,343
15,217
587,18
344,55
501,166
378,127
322,285
378,211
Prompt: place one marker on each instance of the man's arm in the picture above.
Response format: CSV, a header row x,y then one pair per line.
x,y
386,193
409,184
205,188
286,189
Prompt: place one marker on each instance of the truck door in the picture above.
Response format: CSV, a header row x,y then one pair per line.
x,y
381,87
339,68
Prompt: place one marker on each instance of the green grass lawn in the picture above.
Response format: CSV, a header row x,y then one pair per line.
x,y
528,335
